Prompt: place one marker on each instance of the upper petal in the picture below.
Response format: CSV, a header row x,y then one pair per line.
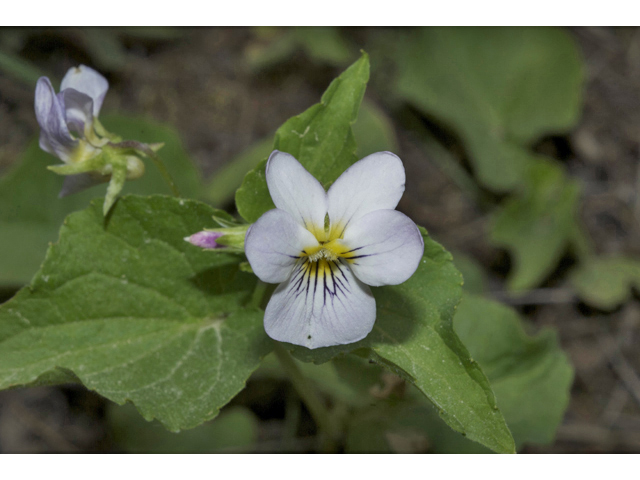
x,y
321,305
385,247
273,245
55,137
79,109
86,80
374,183
296,191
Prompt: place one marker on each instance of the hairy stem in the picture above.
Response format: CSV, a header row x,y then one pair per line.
x,y
164,172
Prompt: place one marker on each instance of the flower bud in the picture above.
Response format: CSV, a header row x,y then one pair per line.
x,y
205,239
226,238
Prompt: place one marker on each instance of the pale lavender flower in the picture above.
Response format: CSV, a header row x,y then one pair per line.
x,y
325,248
70,130
67,119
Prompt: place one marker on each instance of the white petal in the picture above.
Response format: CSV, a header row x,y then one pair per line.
x,y
296,191
386,247
374,183
86,80
274,243
78,107
320,309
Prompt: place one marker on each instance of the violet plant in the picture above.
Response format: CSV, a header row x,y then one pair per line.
x,y
125,306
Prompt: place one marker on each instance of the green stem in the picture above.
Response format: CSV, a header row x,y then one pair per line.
x,y
309,395
257,295
164,172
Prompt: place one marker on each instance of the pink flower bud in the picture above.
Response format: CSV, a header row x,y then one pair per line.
x,y
205,239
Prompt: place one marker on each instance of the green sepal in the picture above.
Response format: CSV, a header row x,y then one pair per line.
x,y
95,164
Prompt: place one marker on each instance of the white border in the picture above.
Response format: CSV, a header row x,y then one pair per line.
x,y
325,12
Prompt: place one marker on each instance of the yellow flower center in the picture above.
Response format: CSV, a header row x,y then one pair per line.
x,y
330,246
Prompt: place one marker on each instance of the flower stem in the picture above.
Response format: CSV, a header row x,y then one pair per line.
x,y
164,172
257,295
149,150
309,395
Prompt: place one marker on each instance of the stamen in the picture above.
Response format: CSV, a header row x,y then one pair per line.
x,y
323,253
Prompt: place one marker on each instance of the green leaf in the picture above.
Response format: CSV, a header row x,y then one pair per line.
x,y
235,430
530,376
31,212
538,224
373,132
413,336
475,279
137,314
277,45
605,283
323,44
500,89
321,139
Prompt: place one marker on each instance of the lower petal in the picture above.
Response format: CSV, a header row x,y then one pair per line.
x,y
321,305
385,247
77,183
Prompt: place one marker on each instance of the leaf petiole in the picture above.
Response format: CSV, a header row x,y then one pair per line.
x,y
323,418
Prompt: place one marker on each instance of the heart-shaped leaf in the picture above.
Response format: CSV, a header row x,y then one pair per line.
x,y
131,310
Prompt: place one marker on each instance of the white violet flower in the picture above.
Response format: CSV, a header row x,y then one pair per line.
x,y
324,248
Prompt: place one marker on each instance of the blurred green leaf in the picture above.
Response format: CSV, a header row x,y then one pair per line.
x,y
500,89
324,44
374,131
274,45
413,337
14,66
537,224
605,282
472,272
530,376
321,139
226,181
405,427
31,212
235,430
137,314
105,47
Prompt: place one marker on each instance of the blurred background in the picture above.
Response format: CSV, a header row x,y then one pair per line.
x,y
522,159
